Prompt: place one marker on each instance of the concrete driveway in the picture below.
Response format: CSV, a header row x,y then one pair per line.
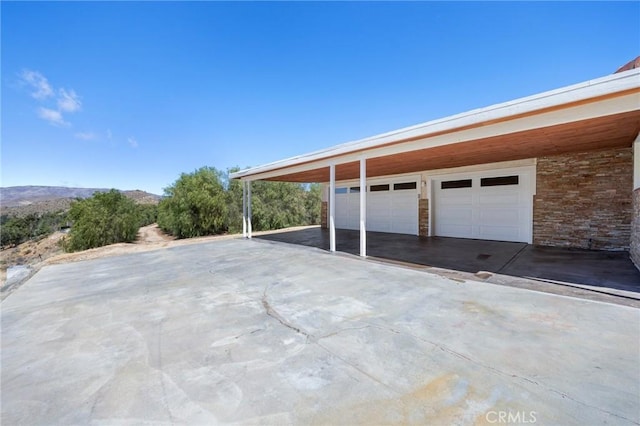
x,y
256,332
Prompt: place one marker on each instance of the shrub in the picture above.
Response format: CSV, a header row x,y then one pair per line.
x,y
105,218
233,196
15,230
274,204
148,213
313,204
277,205
195,205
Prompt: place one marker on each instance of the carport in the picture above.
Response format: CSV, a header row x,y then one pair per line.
x,y
605,271
558,169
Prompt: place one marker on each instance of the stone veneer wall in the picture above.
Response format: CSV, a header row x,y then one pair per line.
x,y
324,214
423,217
634,250
583,200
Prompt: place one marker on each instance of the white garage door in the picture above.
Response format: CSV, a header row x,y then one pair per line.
x,y
494,205
392,206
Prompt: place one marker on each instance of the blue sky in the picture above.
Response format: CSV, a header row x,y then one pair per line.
x,y
130,95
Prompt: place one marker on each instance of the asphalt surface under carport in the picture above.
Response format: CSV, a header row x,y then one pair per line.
x,y
604,269
256,332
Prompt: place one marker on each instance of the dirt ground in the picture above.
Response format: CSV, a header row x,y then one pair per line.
x,y
47,251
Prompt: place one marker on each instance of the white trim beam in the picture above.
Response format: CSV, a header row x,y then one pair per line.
x,y
332,208
244,209
363,207
249,210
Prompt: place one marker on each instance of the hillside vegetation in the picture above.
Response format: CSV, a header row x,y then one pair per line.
x,y
21,201
18,229
204,202
106,218
207,202
29,213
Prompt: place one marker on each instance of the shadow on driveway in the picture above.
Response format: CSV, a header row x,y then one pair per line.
x,y
587,267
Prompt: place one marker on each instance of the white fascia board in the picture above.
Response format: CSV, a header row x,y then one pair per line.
x,y
583,91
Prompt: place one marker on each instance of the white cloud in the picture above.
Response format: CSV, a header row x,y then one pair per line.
x,y
133,142
68,101
52,116
86,136
40,85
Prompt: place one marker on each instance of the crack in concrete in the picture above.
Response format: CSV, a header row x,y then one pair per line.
x,y
270,311
335,333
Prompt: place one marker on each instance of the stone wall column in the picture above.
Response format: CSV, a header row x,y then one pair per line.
x,y
582,200
423,217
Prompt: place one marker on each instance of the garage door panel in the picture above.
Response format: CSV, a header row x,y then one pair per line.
x,y
498,217
511,198
379,196
405,216
408,210
387,210
495,211
404,198
342,208
378,225
457,216
347,211
378,204
455,198
378,218
402,227
378,214
456,231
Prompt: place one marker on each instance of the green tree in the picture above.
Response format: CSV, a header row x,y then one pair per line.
x,y
18,229
195,205
313,203
105,218
274,204
14,231
277,205
233,195
148,214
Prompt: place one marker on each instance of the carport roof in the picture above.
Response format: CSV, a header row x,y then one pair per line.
x,y
600,113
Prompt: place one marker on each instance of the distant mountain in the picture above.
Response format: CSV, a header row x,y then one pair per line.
x,y
39,199
21,195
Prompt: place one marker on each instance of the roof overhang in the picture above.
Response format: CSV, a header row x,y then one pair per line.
x,y
596,114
